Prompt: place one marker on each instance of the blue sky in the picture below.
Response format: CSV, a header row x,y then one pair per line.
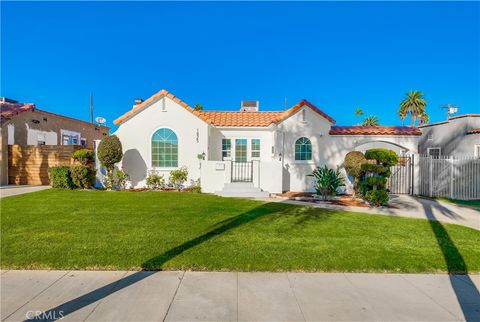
x,y
338,55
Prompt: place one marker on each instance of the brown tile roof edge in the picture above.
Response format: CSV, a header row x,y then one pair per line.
x,y
9,110
474,131
204,115
375,130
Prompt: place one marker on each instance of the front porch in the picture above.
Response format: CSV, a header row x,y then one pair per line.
x,y
242,178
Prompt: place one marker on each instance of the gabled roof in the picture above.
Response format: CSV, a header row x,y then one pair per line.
x,y
137,108
225,118
9,110
375,130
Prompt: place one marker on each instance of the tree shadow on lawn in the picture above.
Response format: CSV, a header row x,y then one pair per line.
x,y
465,290
157,262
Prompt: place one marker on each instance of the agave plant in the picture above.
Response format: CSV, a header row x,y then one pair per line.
x,y
327,181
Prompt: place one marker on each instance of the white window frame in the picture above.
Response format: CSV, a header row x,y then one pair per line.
x,y
69,134
229,151
259,149
434,148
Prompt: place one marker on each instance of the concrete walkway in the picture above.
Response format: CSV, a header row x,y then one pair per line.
x,y
409,206
231,296
12,190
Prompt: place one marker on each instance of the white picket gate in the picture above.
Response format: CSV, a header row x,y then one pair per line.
x,y
448,176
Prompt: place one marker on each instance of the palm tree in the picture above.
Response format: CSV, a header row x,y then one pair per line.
x,y
414,104
371,121
198,107
359,111
423,119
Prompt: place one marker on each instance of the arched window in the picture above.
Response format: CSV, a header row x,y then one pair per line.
x,y
164,149
303,149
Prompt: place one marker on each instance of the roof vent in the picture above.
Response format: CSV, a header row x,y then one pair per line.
x,y
249,106
138,101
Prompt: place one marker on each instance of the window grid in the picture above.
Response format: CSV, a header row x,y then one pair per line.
x,y
241,150
226,148
303,149
164,149
255,148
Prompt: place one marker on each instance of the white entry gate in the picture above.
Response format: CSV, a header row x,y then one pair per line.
x,y
447,176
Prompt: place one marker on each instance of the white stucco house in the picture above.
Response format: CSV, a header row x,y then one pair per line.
x,y
247,152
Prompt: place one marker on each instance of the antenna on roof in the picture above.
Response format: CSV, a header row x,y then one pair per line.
x,y
451,109
91,108
286,104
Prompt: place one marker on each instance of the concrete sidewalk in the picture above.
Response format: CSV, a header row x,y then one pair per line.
x,y
13,190
408,206
231,296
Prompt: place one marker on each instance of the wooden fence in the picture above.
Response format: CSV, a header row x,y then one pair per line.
x,y
447,176
29,164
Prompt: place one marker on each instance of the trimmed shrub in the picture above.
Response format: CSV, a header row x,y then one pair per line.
x,y
84,156
109,153
377,197
178,177
385,157
60,177
326,181
196,188
353,163
376,182
155,182
83,177
376,174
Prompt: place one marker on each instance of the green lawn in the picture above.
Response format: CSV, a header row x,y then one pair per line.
x,y
152,230
475,204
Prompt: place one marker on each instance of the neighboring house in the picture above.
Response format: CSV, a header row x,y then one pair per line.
x,y
457,136
25,125
243,153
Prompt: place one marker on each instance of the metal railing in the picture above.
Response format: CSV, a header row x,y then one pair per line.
x,y
242,171
448,176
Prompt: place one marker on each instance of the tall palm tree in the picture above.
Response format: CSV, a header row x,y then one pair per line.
x,y
371,121
414,104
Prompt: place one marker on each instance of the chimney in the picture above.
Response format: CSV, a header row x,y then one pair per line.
x,y
249,106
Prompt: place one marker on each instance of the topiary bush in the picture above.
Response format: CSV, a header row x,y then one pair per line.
x,y
60,177
83,177
109,153
353,163
178,177
377,197
84,156
376,173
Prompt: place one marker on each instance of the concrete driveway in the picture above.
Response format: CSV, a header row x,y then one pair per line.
x,y
231,296
410,206
12,190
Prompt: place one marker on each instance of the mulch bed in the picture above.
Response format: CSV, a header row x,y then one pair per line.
x,y
343,200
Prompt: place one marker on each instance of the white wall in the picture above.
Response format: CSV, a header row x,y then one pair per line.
x,y
136,133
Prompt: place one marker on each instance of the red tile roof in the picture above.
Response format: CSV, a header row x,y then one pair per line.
x,y
375,130
222,118
474,131
9,110
255,119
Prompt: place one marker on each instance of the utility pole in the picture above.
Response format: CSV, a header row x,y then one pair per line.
x,y
91,108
